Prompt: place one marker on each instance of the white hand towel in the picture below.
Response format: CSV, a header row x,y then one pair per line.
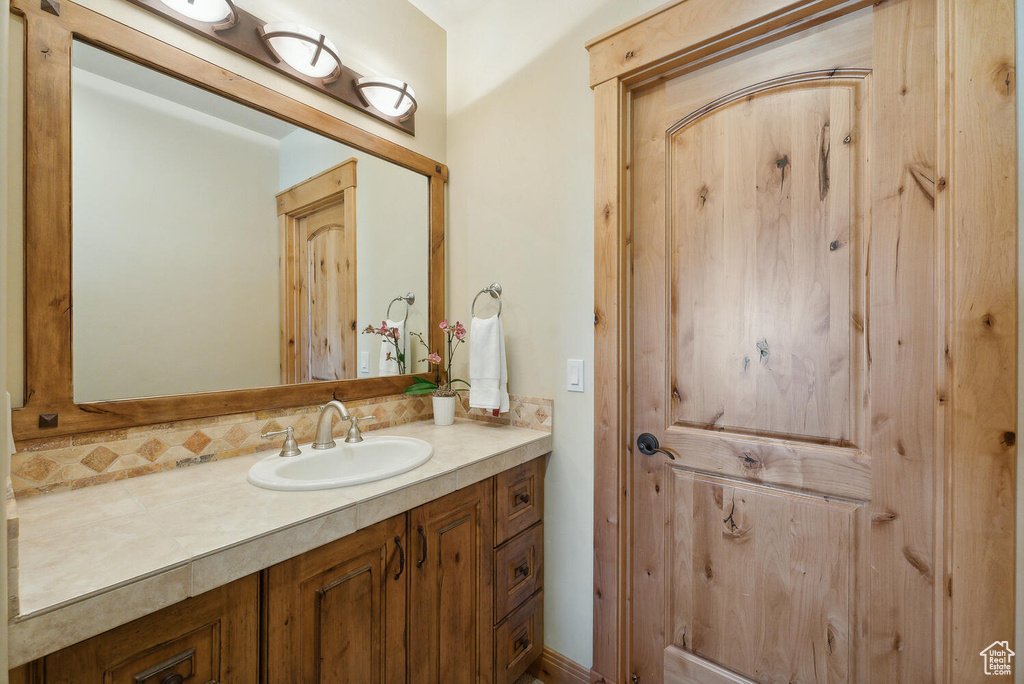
x,y
388,366
488,370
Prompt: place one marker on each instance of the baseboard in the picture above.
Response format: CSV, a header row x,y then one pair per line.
x,y
554,668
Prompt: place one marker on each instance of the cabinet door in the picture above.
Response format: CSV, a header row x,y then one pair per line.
x,y
338,613
452,597
210,638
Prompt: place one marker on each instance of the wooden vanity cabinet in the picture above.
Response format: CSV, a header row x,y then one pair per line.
x,y
338,613
208,638
452,601
449,593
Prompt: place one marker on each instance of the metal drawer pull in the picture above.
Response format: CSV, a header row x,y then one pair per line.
x,y
523,642
170,677
401,557
423,541
522,498
521,570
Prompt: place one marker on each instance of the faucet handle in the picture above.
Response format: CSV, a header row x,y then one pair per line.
x,y
290,446
353,436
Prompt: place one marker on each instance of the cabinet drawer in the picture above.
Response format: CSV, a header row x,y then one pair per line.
x,y
192,658
213,637
518,570
519,499
519,640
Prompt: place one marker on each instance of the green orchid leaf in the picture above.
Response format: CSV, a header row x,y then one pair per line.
x,y
420,389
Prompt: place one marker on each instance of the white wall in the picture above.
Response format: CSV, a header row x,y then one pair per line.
x,y
520,150
392,235
175,246
386,37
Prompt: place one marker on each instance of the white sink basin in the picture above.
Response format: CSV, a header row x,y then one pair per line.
x,y
375,458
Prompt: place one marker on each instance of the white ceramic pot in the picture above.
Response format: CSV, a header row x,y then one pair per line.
x,y
444,410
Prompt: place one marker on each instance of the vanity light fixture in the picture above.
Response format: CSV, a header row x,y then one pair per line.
x,y
389,96
297,52
220,14
306,50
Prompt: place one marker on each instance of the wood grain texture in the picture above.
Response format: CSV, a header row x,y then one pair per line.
x,y
518,499
749,250
518,570
762,579
554,668
48,376
904,347
437,287
681,666
519,640
48,223
452,596
983,340
610,436
936,277
221,625
338,613
688,30
747,236
318,276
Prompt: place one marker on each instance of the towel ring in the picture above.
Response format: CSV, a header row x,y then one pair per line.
x,y
494,289
409,300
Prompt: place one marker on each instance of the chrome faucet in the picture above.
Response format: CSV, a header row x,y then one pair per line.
x,y
325,424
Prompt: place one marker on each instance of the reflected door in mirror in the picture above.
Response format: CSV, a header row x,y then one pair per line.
x,y
318,276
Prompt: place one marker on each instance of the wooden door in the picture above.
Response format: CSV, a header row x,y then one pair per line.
x,y
452,599
786,334
338,613
318,277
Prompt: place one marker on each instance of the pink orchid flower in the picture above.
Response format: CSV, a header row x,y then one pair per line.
x,y
444,325
434,358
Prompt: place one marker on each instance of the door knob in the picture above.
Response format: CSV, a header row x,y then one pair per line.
x,y
648,446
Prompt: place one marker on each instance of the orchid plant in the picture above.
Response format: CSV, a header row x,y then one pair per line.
x,y
389,336
455,335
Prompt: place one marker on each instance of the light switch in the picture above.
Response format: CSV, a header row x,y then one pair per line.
x,y
575,375
364,362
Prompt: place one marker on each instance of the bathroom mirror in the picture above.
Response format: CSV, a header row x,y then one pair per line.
x,y
215,247
198,244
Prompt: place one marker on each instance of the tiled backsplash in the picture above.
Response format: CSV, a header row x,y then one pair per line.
x,y
527,412
71,462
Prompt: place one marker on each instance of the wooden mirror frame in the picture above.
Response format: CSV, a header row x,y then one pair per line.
x,y
49,406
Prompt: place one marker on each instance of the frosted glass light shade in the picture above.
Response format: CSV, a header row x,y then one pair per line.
x,y
389,96
209,11
304,49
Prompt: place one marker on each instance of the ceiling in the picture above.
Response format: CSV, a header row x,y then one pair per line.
x,y
446,13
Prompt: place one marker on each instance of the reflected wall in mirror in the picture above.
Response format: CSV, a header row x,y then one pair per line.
x,y
216,247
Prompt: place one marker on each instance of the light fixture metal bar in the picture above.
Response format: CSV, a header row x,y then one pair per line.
x,y
243,37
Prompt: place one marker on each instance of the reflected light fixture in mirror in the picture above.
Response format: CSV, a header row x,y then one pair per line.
x,y
220,13
306,50
389,96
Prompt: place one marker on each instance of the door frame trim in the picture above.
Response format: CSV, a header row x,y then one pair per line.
x,y
978,323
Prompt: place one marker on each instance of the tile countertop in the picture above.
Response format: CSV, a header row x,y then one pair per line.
x,y
98,557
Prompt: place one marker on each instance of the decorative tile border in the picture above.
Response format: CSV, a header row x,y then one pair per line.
x,y
75,461
533,413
